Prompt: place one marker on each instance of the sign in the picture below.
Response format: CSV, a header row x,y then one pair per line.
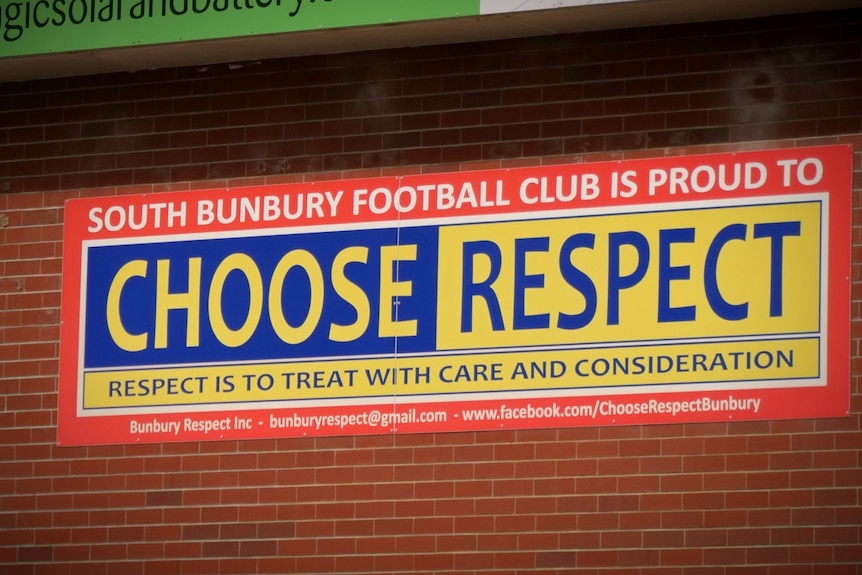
x,y
665,290
509,6
30,27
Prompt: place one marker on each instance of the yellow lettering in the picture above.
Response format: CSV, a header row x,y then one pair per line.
x,y
351,293
286,332
226,335
391,289
189,301
124,339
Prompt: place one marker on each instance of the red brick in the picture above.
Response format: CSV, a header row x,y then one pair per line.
x,y
702,495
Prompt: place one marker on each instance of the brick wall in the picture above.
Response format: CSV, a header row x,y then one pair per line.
x,y
766,497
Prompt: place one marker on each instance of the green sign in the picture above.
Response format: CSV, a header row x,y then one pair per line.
x,y
29,27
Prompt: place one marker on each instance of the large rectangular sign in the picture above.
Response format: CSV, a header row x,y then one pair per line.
x,y
666,290
30,27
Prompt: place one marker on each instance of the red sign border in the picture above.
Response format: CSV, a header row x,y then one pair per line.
x,y
832,400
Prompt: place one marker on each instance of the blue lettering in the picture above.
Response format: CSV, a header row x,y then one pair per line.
x,y
578,280
617,282
776,232
482,289
668,273
721,307
525,281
